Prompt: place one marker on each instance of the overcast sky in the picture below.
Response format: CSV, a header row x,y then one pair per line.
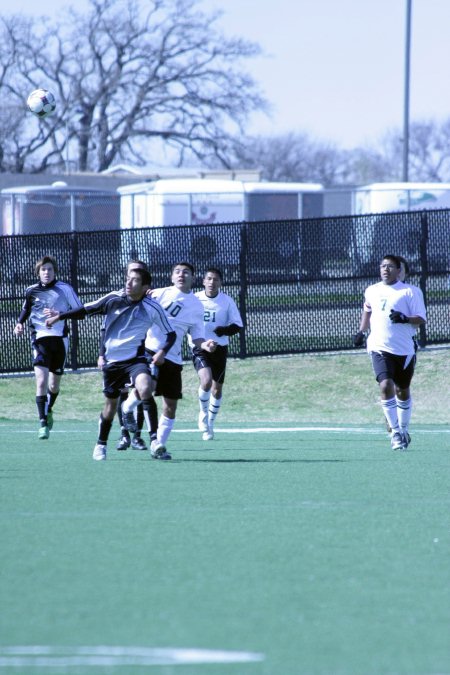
x,y
334,68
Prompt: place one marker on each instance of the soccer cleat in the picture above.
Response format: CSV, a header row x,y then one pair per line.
x,y
208,435
43,433
124,443
158,451
138,444
99,452
165,456
203,421
50,420
406,439
129,421
397,441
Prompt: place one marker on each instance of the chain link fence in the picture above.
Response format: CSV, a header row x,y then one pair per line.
x,y
299,284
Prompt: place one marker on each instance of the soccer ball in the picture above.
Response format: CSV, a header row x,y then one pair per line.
x,y
41,102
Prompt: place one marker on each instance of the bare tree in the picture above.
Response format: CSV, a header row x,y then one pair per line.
x,y
291,157
127,73
430,151
298,157
19,140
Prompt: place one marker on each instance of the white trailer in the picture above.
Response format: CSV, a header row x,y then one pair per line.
x,y
387,197
371,234
208,203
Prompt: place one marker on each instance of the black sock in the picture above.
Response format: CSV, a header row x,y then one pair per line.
x,y
51,398
41,402
123,397
140,420
104,427
150,411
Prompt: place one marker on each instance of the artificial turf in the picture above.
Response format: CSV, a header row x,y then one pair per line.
x,y
321,551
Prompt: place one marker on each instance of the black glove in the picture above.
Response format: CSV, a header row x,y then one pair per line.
x,y
359,339
398,317
232,329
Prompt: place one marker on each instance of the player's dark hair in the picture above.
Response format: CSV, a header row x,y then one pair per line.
x,y
137,264
43,261
394,258
215,270
405,263
146,277
185,264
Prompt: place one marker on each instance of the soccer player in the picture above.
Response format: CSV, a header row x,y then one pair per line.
x,y
392,310
221,319
185,312
49,346
129,314
125,441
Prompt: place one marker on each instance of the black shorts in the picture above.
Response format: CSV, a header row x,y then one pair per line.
x,y
117,375
387,366
216,360
50,352
169,382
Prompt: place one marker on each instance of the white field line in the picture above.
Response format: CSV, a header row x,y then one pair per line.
x,y
252,430
47,656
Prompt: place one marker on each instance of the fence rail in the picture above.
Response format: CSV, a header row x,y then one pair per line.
x,y
299,284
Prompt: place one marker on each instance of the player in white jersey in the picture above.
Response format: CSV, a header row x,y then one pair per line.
x,y
185,312
221,319
393,310
129,313
49,346
403,276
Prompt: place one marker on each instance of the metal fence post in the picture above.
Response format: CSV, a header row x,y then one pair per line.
x,y
243,290
423,247
74,280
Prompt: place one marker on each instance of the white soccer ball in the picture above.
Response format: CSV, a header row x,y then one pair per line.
x,y
41,102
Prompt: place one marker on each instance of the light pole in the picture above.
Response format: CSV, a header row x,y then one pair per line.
x,y
406,97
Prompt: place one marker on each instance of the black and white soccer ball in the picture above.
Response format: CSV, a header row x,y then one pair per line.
x,y
41,102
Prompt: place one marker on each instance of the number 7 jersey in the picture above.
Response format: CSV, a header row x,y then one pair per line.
x,y
385,336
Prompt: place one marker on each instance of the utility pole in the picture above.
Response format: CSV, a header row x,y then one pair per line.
x,y
406,98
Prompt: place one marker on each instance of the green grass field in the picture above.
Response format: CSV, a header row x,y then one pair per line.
x,y
296,543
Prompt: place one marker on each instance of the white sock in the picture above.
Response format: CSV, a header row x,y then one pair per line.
x,y
131,402
165,426
203,400
404,410
390,413
214,405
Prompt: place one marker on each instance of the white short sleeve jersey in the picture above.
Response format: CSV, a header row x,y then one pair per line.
x,y
220,310
185,312
379,300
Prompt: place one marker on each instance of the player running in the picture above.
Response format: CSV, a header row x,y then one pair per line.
x,y
49,346
128,316
393,310
185,312
221,319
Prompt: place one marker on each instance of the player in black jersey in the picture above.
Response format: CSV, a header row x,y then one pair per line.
x,y
49,345
128,315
